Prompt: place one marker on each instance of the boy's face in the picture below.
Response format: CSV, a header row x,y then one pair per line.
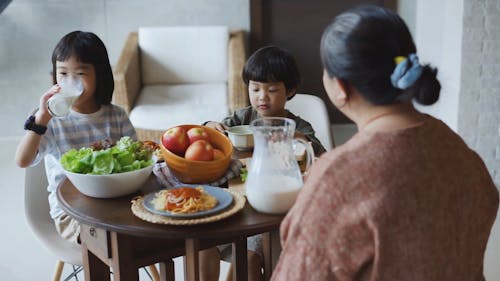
x,y
268,98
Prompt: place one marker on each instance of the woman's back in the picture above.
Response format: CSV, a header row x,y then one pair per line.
x,y
438,204
412,204
405,198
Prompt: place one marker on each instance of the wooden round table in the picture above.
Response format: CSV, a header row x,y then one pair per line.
x,y
112,236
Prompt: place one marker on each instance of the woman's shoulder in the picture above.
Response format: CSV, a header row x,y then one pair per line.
x,y
360,157
373,153
344,157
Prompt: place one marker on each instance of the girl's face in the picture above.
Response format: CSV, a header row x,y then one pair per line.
x,y
74,69
268,98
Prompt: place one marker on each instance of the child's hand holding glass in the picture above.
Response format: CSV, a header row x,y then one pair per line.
x,y
59,104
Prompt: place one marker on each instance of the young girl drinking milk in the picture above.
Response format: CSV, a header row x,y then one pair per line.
x,y
77,56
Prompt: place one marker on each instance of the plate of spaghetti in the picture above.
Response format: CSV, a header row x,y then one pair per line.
x,y
188,201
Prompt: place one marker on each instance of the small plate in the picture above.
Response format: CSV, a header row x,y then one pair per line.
x,y
224,199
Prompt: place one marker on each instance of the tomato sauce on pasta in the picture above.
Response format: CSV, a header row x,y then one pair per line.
x,y
184,200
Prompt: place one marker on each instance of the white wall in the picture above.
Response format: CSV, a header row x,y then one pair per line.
x,y
407,10
29,30
479,103
479,106
438,36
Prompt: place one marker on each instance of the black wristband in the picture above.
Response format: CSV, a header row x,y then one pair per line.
x,y
32,126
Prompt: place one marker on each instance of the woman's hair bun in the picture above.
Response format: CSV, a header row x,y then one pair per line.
x,y
426,89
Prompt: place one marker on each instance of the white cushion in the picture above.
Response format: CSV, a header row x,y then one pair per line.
x,y
184,54
160,107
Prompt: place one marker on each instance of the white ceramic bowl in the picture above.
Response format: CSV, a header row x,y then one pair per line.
x,y
112,185
241,137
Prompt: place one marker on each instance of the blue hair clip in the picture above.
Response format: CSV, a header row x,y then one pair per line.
x,y
407,71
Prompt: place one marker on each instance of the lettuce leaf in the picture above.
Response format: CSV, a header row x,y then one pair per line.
x,y
127,155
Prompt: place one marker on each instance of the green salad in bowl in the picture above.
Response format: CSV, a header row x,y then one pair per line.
x,y
103,158
106,171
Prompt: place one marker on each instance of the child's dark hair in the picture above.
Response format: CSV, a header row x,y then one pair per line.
x,y
272,64
87,48
360,47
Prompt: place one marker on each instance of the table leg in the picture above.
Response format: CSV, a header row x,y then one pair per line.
x,y
93,267
240,269
275,248
167,271
124,268
266,248
191,262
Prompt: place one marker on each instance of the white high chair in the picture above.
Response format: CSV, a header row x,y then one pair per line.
x,y
313,110
36,207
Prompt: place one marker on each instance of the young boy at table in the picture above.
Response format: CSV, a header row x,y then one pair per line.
x,y
272,77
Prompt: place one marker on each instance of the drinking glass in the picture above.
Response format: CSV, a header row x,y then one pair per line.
x,y
60,103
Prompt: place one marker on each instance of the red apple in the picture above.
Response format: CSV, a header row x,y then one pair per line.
x,y
197,133
218,154
200,150
176,140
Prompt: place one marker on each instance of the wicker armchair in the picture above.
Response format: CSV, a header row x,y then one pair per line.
x,y
132,89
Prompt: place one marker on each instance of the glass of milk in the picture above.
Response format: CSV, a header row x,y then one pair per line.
x,y
60,103
274,178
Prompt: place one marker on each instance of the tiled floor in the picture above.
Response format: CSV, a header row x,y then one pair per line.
x,y
18,245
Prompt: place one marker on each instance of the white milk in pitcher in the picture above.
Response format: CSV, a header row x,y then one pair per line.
x,y
272,194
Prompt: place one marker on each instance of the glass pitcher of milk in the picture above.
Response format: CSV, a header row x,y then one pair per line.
x,y
274,178
60,103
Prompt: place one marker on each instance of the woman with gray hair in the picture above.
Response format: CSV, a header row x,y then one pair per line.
x,y
404,198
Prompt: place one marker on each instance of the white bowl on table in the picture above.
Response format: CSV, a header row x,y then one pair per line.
x,y
241,137
112,185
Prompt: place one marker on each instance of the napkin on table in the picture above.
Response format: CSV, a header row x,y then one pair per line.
x,y
168,180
